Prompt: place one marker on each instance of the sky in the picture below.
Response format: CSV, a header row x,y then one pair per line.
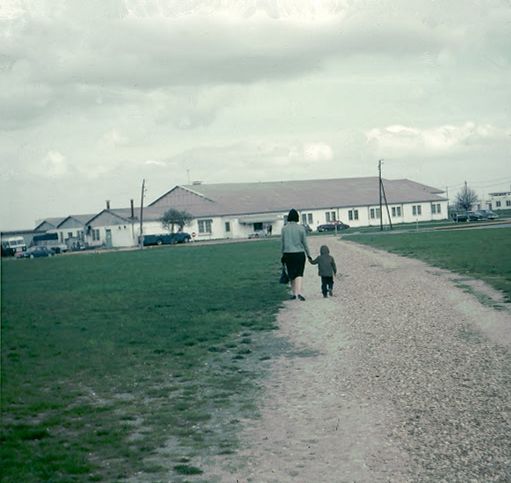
x,y
96,96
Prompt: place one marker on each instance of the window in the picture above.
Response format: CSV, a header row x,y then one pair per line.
x,y
205,226
227,226
307,218
497,204
330,216
353,214
258,226
374,213
508,202
61,235
81,235
95,235
435,208
70,234
417,210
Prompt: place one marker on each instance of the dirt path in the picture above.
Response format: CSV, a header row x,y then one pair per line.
x,y
401,376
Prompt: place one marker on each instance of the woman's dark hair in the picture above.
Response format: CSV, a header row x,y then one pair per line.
x,y
293,215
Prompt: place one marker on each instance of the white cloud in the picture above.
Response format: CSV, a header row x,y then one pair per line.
x,y
54,165
317,152
404,139
114,137
155,162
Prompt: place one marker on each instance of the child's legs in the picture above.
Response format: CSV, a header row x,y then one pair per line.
x,y
330,283
324,285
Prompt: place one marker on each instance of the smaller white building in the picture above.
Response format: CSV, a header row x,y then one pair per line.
x,y
499,201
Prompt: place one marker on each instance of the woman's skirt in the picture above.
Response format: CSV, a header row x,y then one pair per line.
x,y
295,264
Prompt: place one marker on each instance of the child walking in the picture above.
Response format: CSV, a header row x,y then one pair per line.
x,y
326,270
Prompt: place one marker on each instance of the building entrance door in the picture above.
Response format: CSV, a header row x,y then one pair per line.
x,y
108,241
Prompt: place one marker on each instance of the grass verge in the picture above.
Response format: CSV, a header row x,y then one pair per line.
x,y
481,253
131,363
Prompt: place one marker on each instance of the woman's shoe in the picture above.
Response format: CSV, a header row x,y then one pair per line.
x,y
293,297
301,297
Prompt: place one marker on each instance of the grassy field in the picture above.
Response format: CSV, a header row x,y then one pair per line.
x,y
114,362
481,253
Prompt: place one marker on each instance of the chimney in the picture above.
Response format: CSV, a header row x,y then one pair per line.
x,y
107,204
132,209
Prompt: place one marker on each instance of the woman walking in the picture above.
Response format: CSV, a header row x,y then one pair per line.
x,y
294,249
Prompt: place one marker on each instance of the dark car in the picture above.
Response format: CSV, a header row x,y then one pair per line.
x,y
167,239
459,217
487,214
474,216
181,237
36,252
333,226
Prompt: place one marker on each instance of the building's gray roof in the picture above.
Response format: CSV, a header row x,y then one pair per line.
x,y
55,221
149,213
80,219
271,197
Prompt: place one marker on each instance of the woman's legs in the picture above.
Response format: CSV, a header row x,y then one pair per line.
x,y
297,285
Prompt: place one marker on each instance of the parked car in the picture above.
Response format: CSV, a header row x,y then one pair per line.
x,y
474,216
167,238
258,234
36,252
333,226
487,214
459,217
180,237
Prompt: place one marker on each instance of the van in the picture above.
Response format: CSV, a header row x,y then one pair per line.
x,y
13,245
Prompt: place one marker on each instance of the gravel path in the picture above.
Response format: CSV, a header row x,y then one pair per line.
x,y
401,376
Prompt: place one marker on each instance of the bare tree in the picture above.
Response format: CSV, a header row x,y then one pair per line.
x,y
466,198
174,217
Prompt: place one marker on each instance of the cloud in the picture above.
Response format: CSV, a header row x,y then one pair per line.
x,y
399,139
53,165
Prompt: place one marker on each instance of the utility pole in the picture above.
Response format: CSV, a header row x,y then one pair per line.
x,y
141,238
379,189
386,204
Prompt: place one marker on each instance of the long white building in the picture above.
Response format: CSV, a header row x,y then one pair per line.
x,y
236,210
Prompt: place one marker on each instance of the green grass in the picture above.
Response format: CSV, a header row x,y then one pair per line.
x,y
481,253
108,358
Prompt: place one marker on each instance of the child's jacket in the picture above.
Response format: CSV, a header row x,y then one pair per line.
x,y
325,262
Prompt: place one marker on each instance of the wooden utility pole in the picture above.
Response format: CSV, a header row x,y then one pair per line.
x,y
386,203
141,238
379,189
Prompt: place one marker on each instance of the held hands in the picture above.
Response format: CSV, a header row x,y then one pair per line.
x,y
309,258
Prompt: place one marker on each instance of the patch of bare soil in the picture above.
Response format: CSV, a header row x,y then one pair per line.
x,y
401,376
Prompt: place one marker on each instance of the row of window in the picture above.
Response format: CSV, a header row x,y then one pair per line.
x,y
81,235
205,226
374,213
498,204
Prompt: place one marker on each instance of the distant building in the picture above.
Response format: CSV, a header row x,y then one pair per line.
x,y
499,201
238,210
235,210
